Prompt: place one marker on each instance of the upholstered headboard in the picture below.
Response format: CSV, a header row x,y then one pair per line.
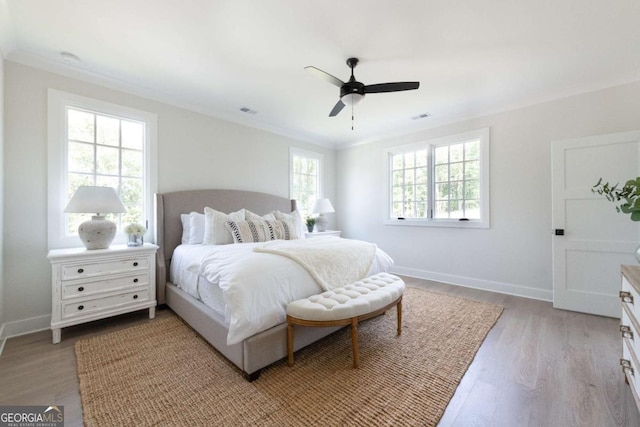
x,y
169,206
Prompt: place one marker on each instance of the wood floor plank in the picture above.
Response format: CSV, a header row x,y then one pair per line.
x,y
538,366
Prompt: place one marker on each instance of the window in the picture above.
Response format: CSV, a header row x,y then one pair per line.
x,y
96,143
305,178
441,182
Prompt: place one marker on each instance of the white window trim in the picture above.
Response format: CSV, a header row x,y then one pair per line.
x,y
484,222
311,154
57,159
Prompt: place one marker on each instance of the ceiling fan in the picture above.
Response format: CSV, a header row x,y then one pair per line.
x,y
352,92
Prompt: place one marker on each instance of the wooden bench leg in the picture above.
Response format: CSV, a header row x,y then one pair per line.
x,y
354,341
399,314
289,344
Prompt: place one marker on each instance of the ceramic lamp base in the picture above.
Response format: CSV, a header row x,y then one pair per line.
x,y
97,233
321,223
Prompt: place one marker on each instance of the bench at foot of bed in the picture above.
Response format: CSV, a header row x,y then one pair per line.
x,y
347,305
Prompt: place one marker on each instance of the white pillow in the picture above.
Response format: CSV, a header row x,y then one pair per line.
x,y
196,228
295,218
185,228
215,232
250,216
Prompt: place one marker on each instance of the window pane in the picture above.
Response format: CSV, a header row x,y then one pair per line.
x,y
472,170
409,176
442,191
108,181
108,160
442,173
313,167
409,160
456,190
132,163
397,162
74,220
472,190
131,193
397,194
455,209
75,180
132,135
456,152
396,210
456,172
421,158
442,210
421,193
80,126
442,154
422,176
80,157
108,132
472,150
472,209
398,178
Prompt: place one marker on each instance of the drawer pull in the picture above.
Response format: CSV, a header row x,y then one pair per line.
x,y
626,331
135,280
135,264
81,270
81,307
81,288
135,297
626,369
626,296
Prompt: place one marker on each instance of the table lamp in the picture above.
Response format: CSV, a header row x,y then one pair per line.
x,y
322,206
97,233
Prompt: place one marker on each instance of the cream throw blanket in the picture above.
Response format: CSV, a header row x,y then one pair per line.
x,y
331,261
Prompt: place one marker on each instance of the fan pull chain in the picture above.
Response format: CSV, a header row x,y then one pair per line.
x,y
351,116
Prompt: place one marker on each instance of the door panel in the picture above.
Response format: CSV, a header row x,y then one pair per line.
x,y
597,239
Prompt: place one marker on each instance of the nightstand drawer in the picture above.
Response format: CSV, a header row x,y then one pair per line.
x,y
71,309
78,271
84,288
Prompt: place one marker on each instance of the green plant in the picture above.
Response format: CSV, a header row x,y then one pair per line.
x,y
310,221
629,194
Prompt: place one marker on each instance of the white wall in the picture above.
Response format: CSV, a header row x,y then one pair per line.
x,y
514,255
194,151
1,199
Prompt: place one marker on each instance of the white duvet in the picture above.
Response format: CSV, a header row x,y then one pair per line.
x,y
257,286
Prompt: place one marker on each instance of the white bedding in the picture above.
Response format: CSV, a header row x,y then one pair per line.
x,y
256,287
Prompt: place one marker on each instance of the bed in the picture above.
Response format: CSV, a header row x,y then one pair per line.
x,y
249,353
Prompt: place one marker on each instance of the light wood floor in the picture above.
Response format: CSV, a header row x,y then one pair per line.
x,y
537,367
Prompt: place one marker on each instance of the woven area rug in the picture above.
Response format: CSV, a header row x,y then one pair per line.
x,y
163,373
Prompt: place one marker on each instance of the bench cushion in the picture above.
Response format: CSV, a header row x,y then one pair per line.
x,y
361,297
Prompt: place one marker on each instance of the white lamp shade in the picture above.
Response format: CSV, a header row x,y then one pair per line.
x,y
322,206
352,98
91,199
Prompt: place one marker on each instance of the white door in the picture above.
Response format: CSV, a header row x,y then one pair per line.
x,y
596,239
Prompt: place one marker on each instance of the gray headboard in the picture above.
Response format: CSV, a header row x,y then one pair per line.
x,y
169,206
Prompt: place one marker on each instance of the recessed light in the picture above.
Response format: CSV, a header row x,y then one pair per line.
x,y
248,110
69,57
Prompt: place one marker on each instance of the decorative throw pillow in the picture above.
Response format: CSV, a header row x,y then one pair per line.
x,y
282,230
295,218
249,231
215,232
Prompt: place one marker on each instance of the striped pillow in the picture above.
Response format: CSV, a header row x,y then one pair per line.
x,y
249,231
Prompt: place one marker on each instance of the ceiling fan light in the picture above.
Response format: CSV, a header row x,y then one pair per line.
x,y
352,98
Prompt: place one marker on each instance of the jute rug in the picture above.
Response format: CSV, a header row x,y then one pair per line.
x,y
163,373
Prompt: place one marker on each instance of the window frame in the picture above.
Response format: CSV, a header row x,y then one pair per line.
x,y
58,102
319,177
483,135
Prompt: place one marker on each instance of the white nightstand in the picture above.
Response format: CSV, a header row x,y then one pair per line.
x,y
323,233
93,284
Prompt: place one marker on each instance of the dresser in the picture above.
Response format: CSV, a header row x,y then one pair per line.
x,y
93,284
630,328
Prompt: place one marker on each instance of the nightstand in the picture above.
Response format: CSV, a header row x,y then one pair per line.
x,y
93,284
323,233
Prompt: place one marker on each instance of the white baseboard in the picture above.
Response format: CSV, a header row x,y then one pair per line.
x,y
469,282
25,326
3,339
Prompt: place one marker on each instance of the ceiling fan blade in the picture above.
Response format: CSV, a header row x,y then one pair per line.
x,y
391,87
337,108
325,76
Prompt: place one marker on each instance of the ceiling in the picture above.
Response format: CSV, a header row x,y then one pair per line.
x,y
471,57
